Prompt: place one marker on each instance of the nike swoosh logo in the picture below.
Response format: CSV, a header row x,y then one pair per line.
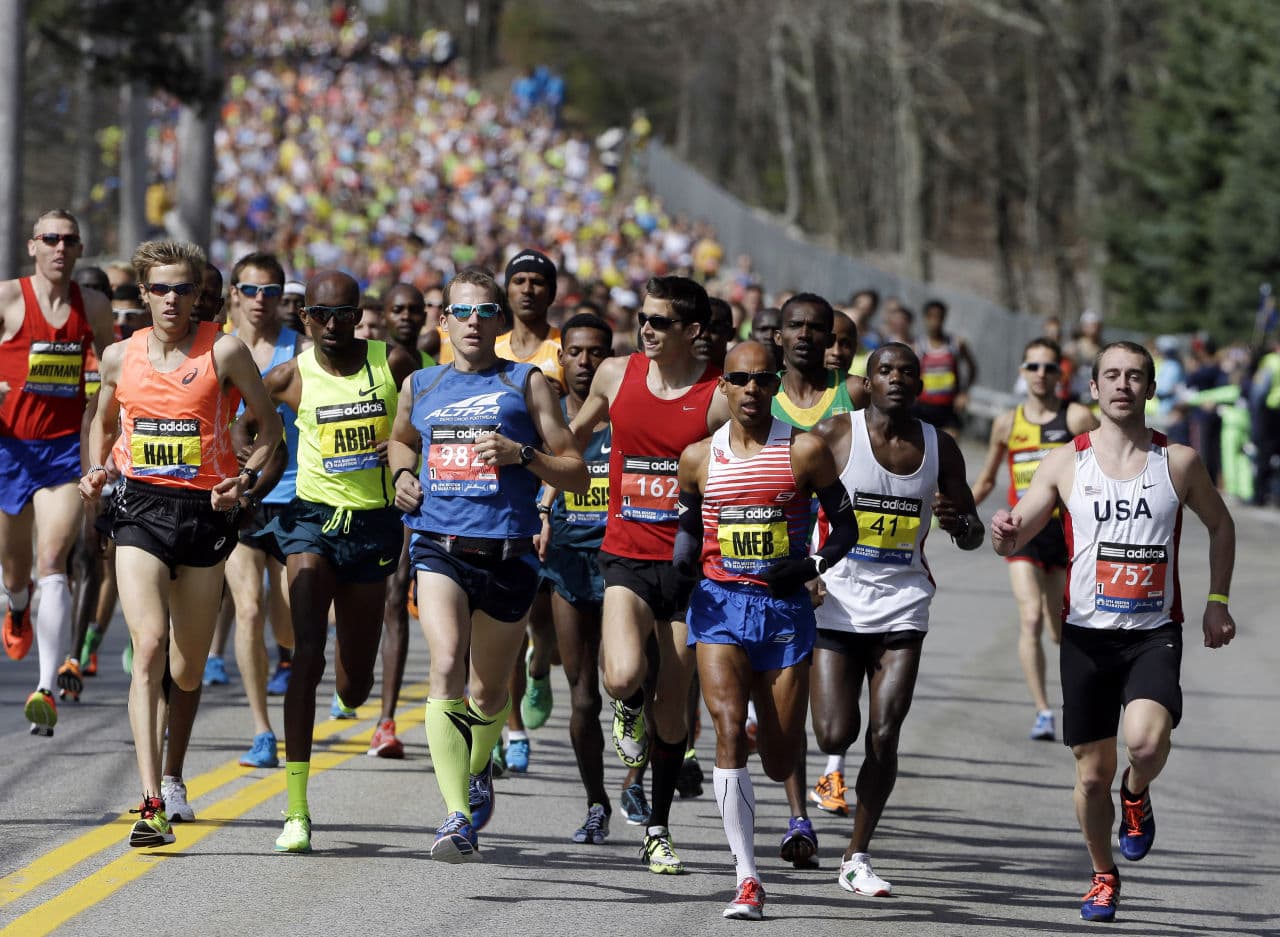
x,y
691,408
1152,485
608,448
366,391
385,562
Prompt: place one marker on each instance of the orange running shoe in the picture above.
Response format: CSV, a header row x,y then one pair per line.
x,y
828,794
70,682
384,743
42,712
17,631
412,603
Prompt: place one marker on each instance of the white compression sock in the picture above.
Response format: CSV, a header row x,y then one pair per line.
x,y
834,763
737,802
20,599
53,627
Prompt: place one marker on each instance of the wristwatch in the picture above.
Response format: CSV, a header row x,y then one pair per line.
x,y
251,475
819,563
526,454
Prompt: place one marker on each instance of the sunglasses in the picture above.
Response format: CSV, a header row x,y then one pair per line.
x,y
269,291
462,311
763,379
1037,366
343,315
51,240
658,323
163,289
431,305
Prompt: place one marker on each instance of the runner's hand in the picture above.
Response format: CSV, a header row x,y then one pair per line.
x,y
495,449
1004,531
787,577
1219,626
4,390
92,484
381,449
226,494
542,539
408,492
817,591
944,509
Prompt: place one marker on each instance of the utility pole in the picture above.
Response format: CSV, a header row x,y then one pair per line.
x,y
13,18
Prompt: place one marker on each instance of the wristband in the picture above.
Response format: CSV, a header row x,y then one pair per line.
x,y
95,468
544,509
396,477
1217,597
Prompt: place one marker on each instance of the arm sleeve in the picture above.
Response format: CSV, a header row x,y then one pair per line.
x,y
688,534
838,507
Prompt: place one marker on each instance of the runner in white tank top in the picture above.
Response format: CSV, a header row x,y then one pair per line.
x,y
1123,487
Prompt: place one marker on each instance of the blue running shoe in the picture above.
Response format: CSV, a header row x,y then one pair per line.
x,y
455,840
340,710
1103,898
263,752
800,845
482,797
1137,822
1043,730
518,755
278,685
635,806
215,672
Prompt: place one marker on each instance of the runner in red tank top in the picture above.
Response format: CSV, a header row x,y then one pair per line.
x,y
46,327
659,400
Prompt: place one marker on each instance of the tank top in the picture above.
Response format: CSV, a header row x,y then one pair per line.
x,y
834,401
939,372
285,349
460,494
92,372
649,434
1122,544
884,583
1028,444
578,521
341,420
174,424
546,357
752,514
44,368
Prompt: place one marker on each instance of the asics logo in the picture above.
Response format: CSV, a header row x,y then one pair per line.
x,y
190,376
481,405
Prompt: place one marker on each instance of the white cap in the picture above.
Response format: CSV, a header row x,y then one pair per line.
x,y
294,288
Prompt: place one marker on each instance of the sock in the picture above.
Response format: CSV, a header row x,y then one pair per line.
x,y
296,774
20,599
449,738
485,731
514,734
736,799
751,711
834,763
666,759
53,627
635,700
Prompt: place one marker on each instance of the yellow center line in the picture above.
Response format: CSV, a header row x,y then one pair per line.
x,y
61,859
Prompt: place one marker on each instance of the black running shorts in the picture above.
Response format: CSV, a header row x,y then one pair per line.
x,y
176,525
655,581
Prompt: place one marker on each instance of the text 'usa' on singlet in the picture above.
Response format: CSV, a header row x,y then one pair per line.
x,y
649,434
884,583
1028,444
341,421
174,424
461,495
1122,541
578,520
44,368
834,401
752,514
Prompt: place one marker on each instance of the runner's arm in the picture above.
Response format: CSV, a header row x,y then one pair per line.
x,y
688,548
997,448
1010,530
97,309
595,409
236,366
104,426
403,451
1203,498
956,512
559,462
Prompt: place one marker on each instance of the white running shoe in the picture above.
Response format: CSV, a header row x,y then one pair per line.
x,y
174,794
857,876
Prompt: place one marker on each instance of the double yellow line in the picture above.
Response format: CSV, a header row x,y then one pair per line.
x,y
134,863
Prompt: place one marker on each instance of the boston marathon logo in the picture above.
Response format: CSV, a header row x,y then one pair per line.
x,y
54,368
349,434
479,407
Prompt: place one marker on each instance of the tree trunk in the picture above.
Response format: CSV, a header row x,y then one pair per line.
x,y
824,195
196,124
997,179
13,17
1031,169
133,166
911,185
782,117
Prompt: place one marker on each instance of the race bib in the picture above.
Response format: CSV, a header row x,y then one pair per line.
x,y
170,448
453,468
650,488
752,537
1131,577
54,368
350,433
887,528
939,382
592,508
1024,468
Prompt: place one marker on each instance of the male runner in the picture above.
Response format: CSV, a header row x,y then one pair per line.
x,y
1123,487
340,536
946,389
713,343
871,625
47,326
659,400
1037,572
744,525
845,353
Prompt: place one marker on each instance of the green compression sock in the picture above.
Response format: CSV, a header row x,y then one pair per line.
x,y
296,775
449,737
485,732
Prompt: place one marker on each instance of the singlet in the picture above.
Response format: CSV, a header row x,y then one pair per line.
x,y
44,368
174,424
1028,444
884,583
286,489
427,360
578,521
460,494
92,372
341,420
1122,544
940,373
649,434
546,357
752,514
834,401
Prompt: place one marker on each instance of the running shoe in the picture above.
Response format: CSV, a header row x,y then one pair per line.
x,y
89,653
634,805
126,658
828,794
174,794
1137,822
595,829
518,755
1103,897
689,780
340,710
660,853
42,712
456,840
1043,730
629,737
215,672
264,752
153,828
498,760
748,903
278,683
535,706
384,743
482,797
800,845
17,632
857,876
70,683
296,835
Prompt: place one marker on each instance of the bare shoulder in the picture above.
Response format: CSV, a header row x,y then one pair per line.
x,y
833,428
609,376
694,459
10,291
1183,463
1080,419
1003,424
